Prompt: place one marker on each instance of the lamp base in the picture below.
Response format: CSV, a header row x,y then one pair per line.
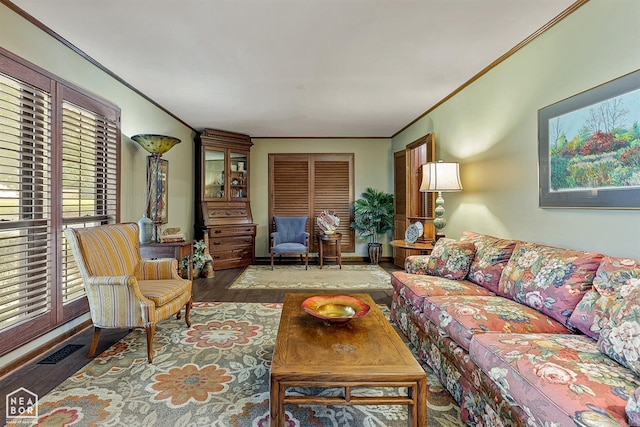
x,y
439,222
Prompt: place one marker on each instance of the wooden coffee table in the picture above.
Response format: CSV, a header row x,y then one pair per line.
x,y
364,352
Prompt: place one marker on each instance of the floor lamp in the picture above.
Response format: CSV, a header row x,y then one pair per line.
x,y
440,177
157,178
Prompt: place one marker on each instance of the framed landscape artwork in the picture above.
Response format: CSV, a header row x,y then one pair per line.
x,y
589,148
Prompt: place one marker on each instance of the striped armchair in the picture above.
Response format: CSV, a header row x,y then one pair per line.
x,y
125,291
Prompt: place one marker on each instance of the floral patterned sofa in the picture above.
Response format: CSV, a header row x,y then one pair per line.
x,y
525,334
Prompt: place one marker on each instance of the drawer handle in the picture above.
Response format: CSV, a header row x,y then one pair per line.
x,y
216,243
218,231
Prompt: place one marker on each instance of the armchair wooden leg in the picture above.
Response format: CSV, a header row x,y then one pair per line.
x,y
151,329
272,260
306,261
94,341
187,310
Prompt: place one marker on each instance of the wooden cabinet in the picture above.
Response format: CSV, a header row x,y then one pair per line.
x,y
223,211
410,204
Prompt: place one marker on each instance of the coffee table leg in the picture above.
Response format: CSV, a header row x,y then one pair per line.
x,y
276,406
418,412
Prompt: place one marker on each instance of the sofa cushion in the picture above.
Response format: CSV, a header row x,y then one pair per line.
x,y
462,316
564,378
592,312
586,314
450,259
492,255
416,287
620,337
551,280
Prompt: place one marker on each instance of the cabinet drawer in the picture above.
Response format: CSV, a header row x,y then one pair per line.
x,y
218,232
217,244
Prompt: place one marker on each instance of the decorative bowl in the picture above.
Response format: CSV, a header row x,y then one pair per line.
x,y
335,308
328,221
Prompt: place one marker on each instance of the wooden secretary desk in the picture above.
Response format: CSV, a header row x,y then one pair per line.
x,y
223,207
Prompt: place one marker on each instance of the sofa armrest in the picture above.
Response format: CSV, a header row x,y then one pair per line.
x,y
416,264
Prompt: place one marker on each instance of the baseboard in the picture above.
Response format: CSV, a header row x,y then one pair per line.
x,y
41,350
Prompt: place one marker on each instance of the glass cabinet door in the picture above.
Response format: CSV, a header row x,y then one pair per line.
x,y
214,174
238,179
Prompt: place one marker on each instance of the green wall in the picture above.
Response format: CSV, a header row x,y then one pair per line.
x,y
491,128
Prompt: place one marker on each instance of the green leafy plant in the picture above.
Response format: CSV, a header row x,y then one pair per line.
x,y
373,214
198,254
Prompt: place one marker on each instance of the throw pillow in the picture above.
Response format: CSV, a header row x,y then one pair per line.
x,y
549,279
492,255
592,312
620,338
450,259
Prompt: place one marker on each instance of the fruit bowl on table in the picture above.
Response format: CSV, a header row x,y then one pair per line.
x,y
335,308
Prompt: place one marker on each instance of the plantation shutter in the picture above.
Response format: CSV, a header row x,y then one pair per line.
x,y
89,175
289,189
25,199
333,191
307,184
59,160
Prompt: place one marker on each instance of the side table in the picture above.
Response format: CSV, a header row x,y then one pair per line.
x,y
424,248
327,239
176,250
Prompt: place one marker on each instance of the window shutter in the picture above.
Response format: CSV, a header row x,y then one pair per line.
x,y
59,166
89,190
25,202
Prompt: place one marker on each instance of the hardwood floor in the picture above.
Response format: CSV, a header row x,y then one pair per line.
x,y
42,378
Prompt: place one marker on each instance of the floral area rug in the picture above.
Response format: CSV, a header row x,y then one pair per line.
x,y
329,277
215,373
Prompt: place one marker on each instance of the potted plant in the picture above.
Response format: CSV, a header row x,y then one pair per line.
x,y
373,216
199,257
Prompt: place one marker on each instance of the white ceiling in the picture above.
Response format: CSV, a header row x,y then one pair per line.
x,y
296,68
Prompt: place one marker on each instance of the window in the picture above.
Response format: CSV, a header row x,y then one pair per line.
x,y
59,167
307,184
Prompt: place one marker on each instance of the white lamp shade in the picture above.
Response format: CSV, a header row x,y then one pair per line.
x,y
440,176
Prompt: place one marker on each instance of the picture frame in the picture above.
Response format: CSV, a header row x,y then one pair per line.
x,y
158,194
589,148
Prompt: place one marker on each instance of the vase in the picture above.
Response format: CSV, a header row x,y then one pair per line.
x,y
375,252
145,229
207,269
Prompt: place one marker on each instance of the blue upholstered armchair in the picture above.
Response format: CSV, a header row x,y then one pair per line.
x,y
290,237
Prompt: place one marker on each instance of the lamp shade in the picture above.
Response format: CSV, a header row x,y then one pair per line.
x,y
440,176
155,144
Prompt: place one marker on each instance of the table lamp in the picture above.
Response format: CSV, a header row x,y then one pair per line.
x,y
441,177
